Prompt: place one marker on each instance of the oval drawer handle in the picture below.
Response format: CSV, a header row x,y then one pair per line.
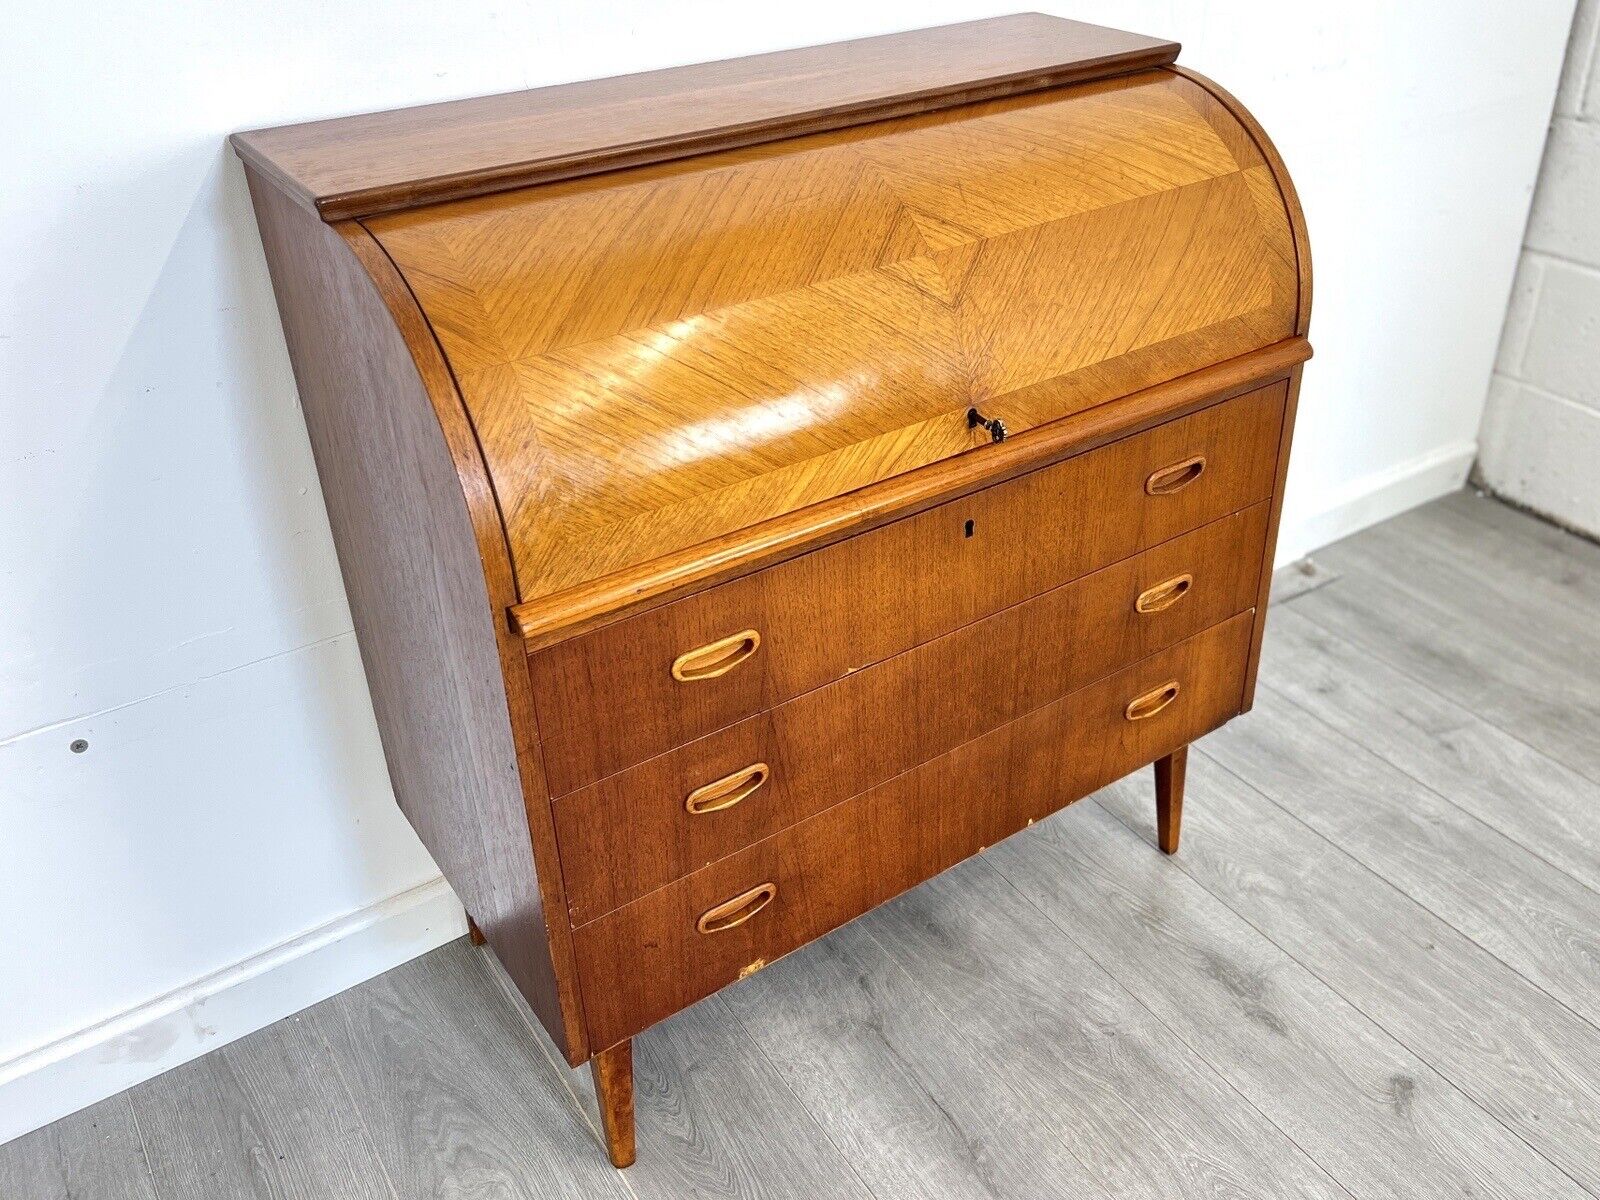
x,y
1152,702
737,911
715,658
1163,595
1176,477
729,790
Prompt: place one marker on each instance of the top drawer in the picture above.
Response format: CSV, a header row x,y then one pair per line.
x,y
624,693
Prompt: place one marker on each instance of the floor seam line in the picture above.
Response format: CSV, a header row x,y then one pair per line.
x,y
144,1146
1399,891
355,1107
1531,851
956,1031
1432,690
1443,1075
744,1032
1199,1058
1365,648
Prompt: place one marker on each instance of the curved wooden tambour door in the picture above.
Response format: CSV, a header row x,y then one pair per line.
x,y
656,356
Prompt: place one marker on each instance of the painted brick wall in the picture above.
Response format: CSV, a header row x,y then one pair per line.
x,y
1540,442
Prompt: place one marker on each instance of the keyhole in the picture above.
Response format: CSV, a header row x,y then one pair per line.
x,y
967,529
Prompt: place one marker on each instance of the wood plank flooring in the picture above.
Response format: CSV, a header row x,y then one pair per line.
x,y
1373,970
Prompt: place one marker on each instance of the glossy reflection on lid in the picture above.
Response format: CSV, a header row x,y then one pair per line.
x,y
657,356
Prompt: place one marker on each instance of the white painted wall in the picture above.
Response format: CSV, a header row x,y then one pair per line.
x,y
226,849
1541,430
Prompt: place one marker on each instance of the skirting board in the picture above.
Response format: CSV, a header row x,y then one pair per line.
x,y
80,1070
1373,498
98,1062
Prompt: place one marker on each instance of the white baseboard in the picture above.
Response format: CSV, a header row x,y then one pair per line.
x,y
1374,498
79,1070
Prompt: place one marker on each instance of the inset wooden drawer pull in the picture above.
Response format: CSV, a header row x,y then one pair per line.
x,y
1163,595
738,910
1176,477
715,658
1152,702
727,791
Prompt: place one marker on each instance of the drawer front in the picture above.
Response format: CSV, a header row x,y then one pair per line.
x,y
668,949
660,820
627,692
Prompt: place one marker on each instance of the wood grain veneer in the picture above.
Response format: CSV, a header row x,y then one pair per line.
x,y
631,833
907,582
761,485
647,959
1170,771
657,356
604,601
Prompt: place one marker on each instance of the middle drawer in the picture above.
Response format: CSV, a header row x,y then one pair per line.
x,y
656,822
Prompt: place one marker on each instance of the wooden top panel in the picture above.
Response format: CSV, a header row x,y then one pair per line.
x,y
656,357
380,162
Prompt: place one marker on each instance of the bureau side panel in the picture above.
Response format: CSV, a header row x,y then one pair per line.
x,y
425,567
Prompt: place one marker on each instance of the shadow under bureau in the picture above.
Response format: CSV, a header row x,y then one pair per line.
x,y
760,486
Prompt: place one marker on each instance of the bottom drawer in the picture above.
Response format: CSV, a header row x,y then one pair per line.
x,y
682,942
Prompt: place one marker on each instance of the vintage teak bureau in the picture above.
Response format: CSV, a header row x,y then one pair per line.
x,y
761,485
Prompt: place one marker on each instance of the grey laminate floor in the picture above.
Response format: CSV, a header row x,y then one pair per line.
x,y
1372,970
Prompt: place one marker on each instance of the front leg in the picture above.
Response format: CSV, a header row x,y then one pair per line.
x,y
613,1090
1169,797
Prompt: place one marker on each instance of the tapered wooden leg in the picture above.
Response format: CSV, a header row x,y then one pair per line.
x,y
474,934
1169,798
613,1089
